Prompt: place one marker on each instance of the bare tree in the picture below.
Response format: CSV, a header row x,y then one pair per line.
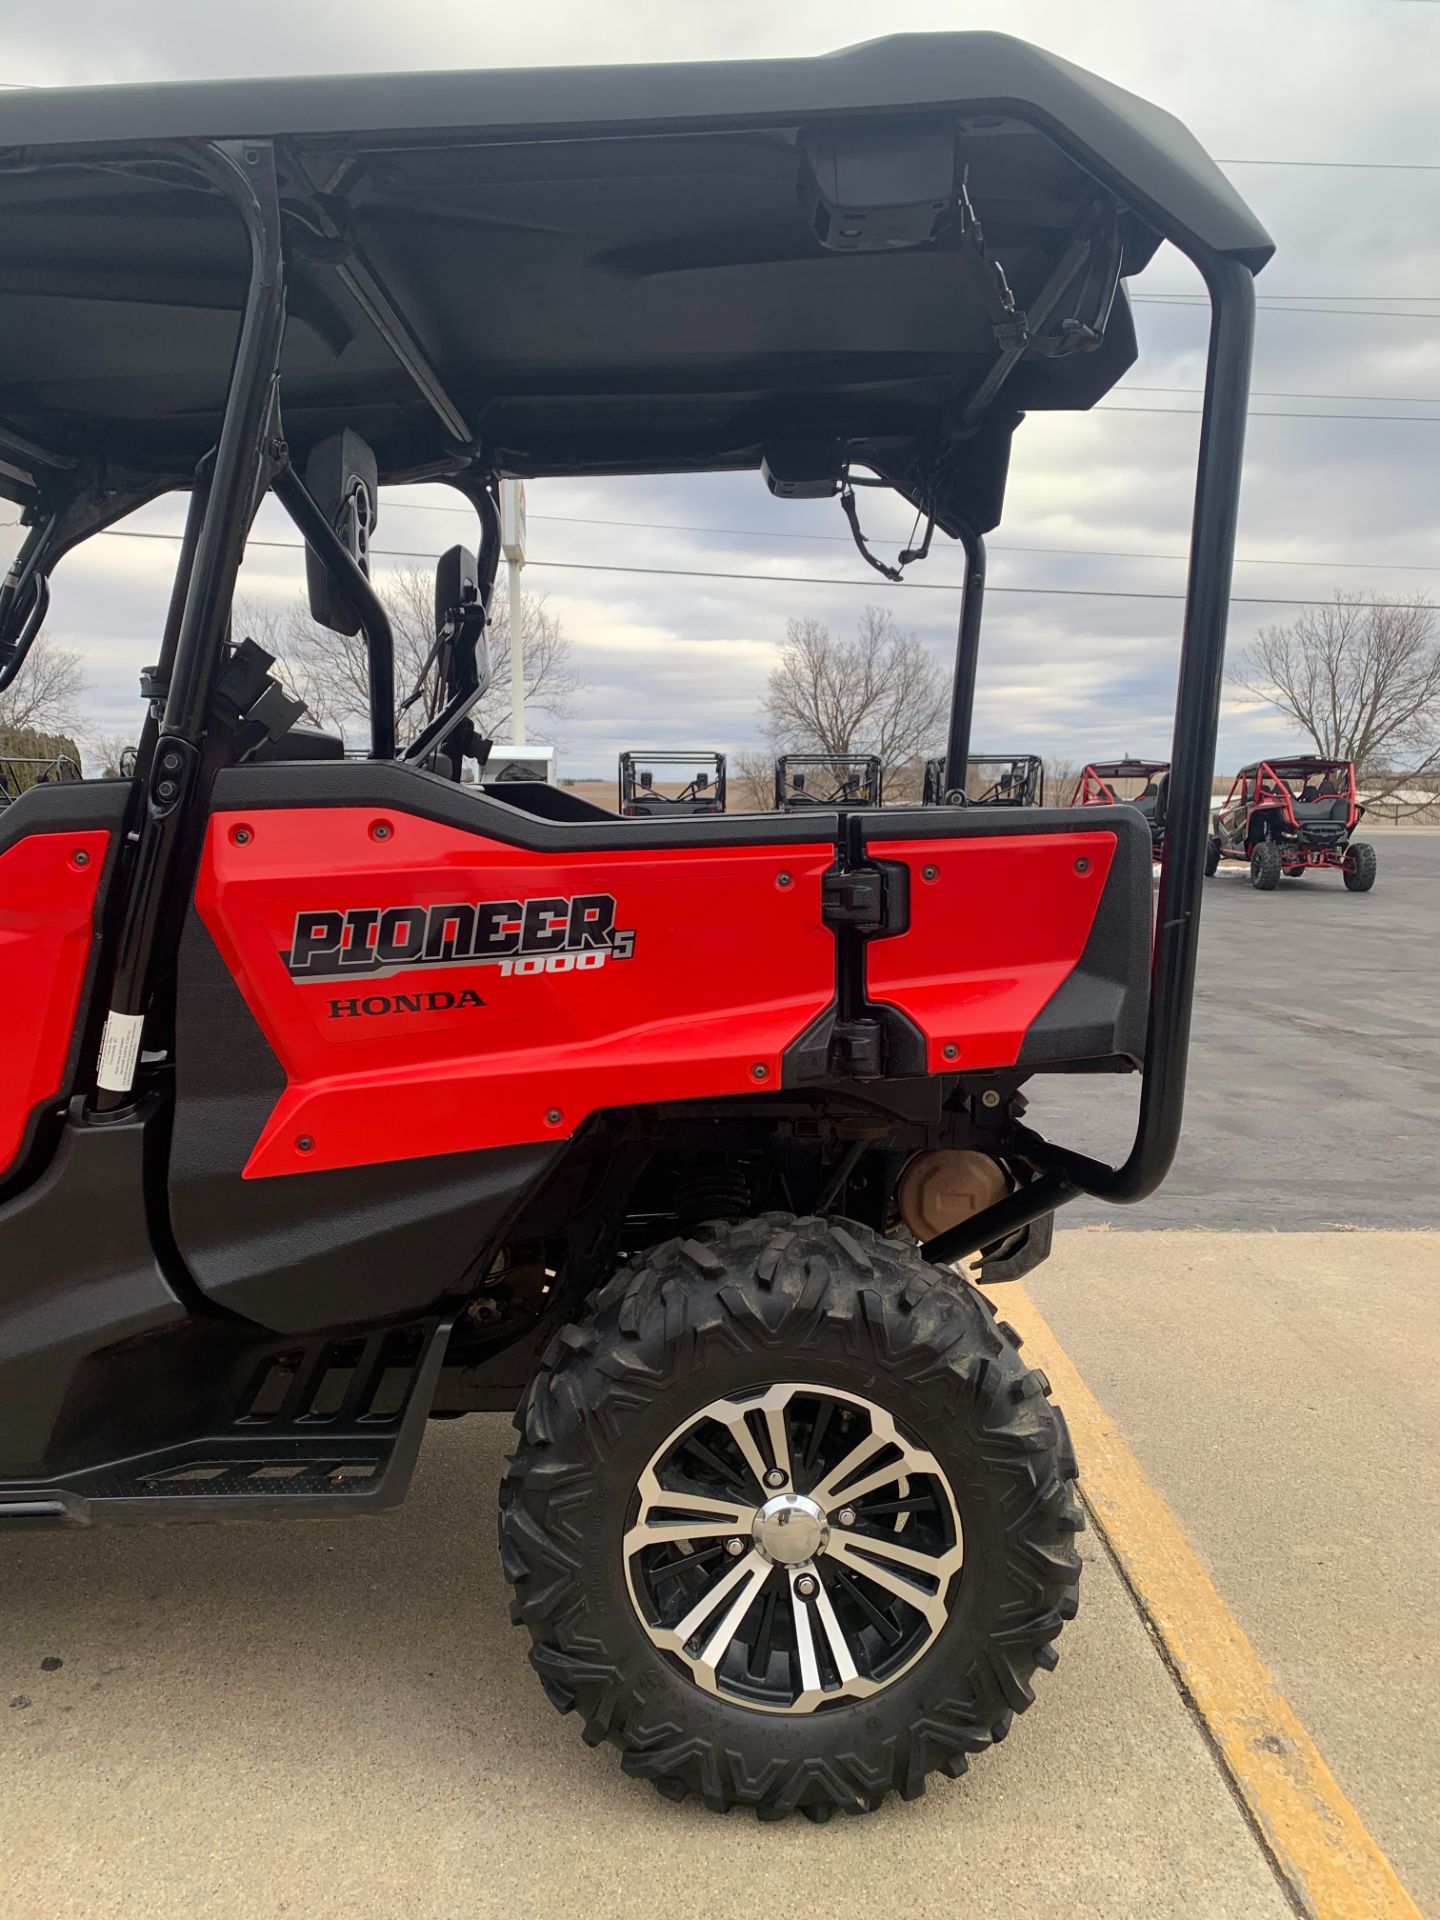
x,y
1061,775
878,693
46,697
330,671
905,780
1363,681
105,753
750,780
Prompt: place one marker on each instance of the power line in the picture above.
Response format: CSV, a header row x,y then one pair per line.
x,y
1275,393
816,580
957,586
1349,166
846,540
1266,413
1352,313
1420,299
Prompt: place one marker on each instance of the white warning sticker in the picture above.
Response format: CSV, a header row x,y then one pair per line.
x,y
119,1051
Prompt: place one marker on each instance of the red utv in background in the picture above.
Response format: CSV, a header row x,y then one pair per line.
x,y
1286,816
1133,783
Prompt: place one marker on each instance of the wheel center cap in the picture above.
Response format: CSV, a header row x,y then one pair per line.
x,y
789,1529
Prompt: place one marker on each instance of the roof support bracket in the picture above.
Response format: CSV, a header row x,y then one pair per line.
x,y
324,219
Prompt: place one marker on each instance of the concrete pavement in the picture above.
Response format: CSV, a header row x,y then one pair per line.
x,y
337,1720
1279,1390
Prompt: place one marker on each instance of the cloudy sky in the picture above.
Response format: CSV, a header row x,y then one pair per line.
x,y
1349,327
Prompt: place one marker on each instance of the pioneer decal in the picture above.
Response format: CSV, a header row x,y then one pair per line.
x,y
547,935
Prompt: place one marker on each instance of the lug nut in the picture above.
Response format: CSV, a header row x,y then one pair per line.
x,y
776,1477
846,1516
735,1548
807,1586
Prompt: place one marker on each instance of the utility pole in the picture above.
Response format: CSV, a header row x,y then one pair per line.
x,y
512,545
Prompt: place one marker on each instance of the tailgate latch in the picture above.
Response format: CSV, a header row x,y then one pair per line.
x,y
863,899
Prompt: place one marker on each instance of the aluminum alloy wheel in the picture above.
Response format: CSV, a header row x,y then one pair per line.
x,y
764,1548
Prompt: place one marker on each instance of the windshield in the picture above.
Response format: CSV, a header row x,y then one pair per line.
x,y
672,779
994,776
1133,786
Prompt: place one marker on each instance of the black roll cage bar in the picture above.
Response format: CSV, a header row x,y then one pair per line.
x,y
249,458
632,758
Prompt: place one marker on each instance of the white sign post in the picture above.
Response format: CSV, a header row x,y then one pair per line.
x,y
512,545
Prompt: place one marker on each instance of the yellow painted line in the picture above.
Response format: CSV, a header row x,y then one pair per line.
x,y
1319,1844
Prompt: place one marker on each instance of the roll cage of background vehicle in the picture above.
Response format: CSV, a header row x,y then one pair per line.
x,y
18,774
991,780
699,780
1143,784
289,289
828,780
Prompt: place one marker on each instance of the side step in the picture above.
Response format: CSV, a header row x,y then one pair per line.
x,y
323,1430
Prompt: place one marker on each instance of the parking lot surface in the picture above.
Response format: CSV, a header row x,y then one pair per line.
x,y
338,1720
1313,1097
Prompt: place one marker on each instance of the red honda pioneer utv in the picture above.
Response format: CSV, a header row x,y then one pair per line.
x,y
1287,816
337,1092
1142,784
698,780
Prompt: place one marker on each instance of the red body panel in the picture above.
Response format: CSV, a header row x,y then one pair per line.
x,y
992,936
48,885
730,964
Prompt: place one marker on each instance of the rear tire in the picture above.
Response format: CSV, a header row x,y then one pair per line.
x,y
1212,855
657,1390
1361,865
1265,867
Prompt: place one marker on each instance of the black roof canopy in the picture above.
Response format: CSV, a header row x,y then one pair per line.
x,y
608,269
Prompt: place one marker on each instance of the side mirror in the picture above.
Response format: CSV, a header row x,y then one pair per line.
x,y
647,781
341,478
702,781
797,781
457,585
